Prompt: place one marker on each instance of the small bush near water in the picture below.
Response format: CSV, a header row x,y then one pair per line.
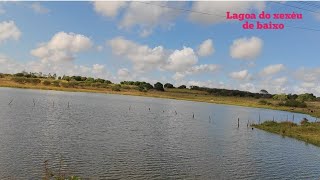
x,y
116,87
46,82
264,102
23,80
293,103
306,131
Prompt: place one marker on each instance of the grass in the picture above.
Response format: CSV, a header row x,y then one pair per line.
x,y
179,94
306,131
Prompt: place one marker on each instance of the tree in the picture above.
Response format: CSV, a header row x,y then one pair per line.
x,y
168,85
182,87
281,97
306,97
263,91
158,86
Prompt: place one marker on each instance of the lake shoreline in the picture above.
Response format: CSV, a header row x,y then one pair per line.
x,y
242,102
306,131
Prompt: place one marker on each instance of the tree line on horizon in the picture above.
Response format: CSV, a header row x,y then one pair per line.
x,y
74,81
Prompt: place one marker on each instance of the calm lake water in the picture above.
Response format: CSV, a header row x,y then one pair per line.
x,y
98,137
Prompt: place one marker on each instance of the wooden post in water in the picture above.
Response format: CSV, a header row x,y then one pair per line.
x,y
292,117
68,104
193,115
238,122
176,112
10,102
273,118
52,103
34,103
248,123
287,117
259,118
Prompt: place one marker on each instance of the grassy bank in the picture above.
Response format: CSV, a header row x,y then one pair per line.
x,y
306,131
169,93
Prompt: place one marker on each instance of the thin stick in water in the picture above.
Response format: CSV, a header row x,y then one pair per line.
x,y
10,102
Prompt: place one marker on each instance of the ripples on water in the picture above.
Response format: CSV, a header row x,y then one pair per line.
x,y
98,137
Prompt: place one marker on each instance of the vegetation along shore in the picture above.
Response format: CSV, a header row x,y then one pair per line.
x,y
305,131
302,103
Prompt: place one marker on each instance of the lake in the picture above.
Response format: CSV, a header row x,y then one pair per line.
x,y
102,136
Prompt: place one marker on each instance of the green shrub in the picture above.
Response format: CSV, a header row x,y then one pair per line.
x,y
293,103
281,97
264,102
116,87
64,84
56,83
1,75
46,82
20,80
34,81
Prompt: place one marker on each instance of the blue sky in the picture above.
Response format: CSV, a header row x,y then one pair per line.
x,y
151,42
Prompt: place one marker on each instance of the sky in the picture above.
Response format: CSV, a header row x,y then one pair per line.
x,y
190,43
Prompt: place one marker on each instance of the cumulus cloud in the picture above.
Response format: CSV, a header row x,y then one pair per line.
x,y
9,30
208,83
219,10
272,69
62,47
156,15
109,8
248,87
143,57
123,74
181,60
246,48
203,68
206,48
134,14
8,65
38,8
239,75
307,74
97,68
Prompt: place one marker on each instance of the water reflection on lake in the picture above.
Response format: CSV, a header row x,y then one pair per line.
x,y
100,138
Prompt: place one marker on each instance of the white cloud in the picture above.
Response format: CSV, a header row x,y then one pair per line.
x,y
181,60
203,68
272,69
206,48
38,8
143,57
208,83
246,48
97,68
9,30
307,74
308,84
240,75
280,81
148,16
62,47
217,10
109,8
248,87
144,15
8,65
124,74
